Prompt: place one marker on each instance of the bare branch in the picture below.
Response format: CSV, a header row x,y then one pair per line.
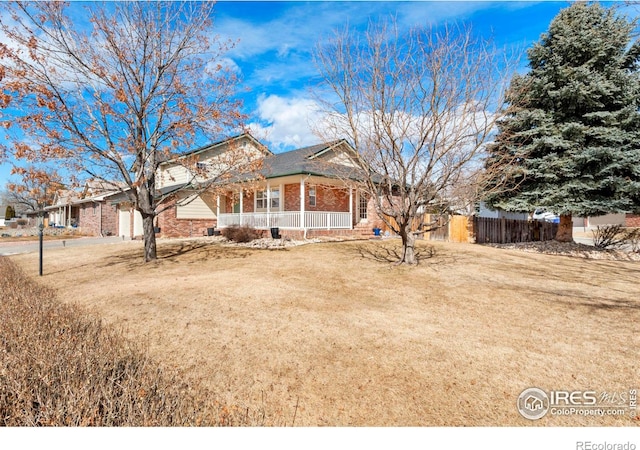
x,y
140,88
419,108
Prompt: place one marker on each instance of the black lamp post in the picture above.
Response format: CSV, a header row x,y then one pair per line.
x,y
41,236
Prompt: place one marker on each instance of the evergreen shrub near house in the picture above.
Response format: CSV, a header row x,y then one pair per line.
x,y
9,213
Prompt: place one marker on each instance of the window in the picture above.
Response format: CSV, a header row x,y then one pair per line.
x,y
312,196
274,196
95,208
261,200
362,206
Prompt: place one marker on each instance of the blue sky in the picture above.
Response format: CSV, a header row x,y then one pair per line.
x,y
275,40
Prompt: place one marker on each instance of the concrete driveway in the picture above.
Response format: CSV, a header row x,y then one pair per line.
x,y
581,236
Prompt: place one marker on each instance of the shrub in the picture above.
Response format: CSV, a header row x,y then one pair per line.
x,y
240,234
633,239
60,368
608,236
9,213
615,236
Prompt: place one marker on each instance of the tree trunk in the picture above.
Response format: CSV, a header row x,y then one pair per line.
x,y
149,238
408,245
565,230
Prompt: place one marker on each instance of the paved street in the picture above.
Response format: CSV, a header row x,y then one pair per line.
x,y
14,248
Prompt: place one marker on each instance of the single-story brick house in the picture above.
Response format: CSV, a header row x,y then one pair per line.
x,y
90,210
64,210
303,192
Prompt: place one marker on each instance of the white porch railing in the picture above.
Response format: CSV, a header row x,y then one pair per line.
x,y
288,219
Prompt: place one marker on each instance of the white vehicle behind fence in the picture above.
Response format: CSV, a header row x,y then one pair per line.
x,y
543,214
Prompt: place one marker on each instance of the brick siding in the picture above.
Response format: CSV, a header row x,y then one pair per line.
x,y
632,220
171,226
98,219
328,198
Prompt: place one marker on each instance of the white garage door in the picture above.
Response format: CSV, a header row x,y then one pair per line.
x,y
124,222
138,230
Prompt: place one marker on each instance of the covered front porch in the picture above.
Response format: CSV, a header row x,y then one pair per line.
x,y
294,220
291,203
63,216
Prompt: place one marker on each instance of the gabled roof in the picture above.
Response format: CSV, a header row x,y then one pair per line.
x,y
96,188
294,162
219,144
312,160
304,161
65,197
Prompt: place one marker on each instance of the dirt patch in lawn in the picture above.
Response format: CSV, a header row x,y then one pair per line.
x,y
333,334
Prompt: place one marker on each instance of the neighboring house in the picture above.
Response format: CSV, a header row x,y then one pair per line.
x,y
485,211
3,211
90,211
303,192
595,221
64,212
632,220
586,222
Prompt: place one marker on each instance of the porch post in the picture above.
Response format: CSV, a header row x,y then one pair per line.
x,y
241,205
302,203
268,205
351,207
218,210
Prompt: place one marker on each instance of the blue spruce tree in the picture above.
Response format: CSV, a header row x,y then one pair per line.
x,y
571,141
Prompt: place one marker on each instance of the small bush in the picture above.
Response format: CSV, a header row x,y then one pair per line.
x,y
615,236
608,236
633,239
240,234
10,213
60,368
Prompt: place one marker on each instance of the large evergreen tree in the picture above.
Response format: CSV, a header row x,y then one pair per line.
x,y
571,142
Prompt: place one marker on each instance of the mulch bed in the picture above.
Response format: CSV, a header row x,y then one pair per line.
x,y
571,249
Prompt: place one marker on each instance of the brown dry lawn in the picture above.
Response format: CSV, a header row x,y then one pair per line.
x,y
333,334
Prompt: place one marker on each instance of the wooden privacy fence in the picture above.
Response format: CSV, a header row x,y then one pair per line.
x,y
452,228
507,231
486,230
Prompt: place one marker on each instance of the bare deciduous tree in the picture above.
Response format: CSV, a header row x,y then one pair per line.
x,y
143,85
36,189
418,107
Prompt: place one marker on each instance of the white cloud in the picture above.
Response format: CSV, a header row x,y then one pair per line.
x,y
275,53
285,122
